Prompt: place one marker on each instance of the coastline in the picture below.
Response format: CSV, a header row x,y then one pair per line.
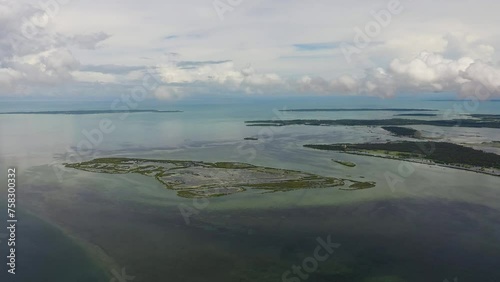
x,y
360,153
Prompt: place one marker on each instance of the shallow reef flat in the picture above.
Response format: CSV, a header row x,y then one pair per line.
x,y
196,179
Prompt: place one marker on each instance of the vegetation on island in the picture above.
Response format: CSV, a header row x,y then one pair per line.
x,y
486,116
403,131
345,163
251,138
442,153
87,112
196,179
484,121
359,110
416,115
360,185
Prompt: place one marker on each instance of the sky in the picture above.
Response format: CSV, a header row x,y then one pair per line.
x,y
201,48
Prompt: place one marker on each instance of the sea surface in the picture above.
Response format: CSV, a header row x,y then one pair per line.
x,y
420,222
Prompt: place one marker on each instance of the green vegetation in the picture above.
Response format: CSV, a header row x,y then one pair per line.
x,y
251,138
486,122
486,116
360,185
87,112
438,152
403,131
359,110
195,179
345,163
416,115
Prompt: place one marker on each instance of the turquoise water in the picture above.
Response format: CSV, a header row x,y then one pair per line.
x,y
437,224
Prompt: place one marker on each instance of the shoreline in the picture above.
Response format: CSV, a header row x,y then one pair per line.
x,y
359,153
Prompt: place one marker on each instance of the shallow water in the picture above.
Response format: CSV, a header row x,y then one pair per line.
x,y
435,224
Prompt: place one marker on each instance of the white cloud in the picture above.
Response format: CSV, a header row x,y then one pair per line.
x,y
431,46
91,76
218,75
44,58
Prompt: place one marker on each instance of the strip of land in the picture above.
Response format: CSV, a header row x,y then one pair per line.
x,y
345,163
483,122
359,110
416,115
196,179
403,131
438,153
87,112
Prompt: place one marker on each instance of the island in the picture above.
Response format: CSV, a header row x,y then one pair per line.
x,y
89,112
360,110
416,115
478,121
251,139
436,153
359,186
197,179
345,163
403,131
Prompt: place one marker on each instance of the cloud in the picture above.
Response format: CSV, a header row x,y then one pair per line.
x,y
427,72
221,76
111,69
88,41
88,76
293,48
42,59
317,46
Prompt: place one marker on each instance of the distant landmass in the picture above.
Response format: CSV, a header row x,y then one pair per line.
x,y
416,115
485,121
403,131
87,112
439,153
360,110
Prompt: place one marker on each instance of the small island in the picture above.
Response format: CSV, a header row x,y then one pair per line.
x,y
345,163
197,179
359,186
251,139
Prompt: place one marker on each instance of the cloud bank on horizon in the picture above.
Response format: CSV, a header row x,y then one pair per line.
x,y
381,48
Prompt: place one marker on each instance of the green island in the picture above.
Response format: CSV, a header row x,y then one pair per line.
x,y
416,115
359,186
345,163
438,153
478,121
89,112
197,179
403,131
360,110
251,139
486,116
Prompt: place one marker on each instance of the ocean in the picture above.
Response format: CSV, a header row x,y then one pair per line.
x,y
435,224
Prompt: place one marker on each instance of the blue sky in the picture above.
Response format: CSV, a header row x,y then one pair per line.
x,y
61,48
